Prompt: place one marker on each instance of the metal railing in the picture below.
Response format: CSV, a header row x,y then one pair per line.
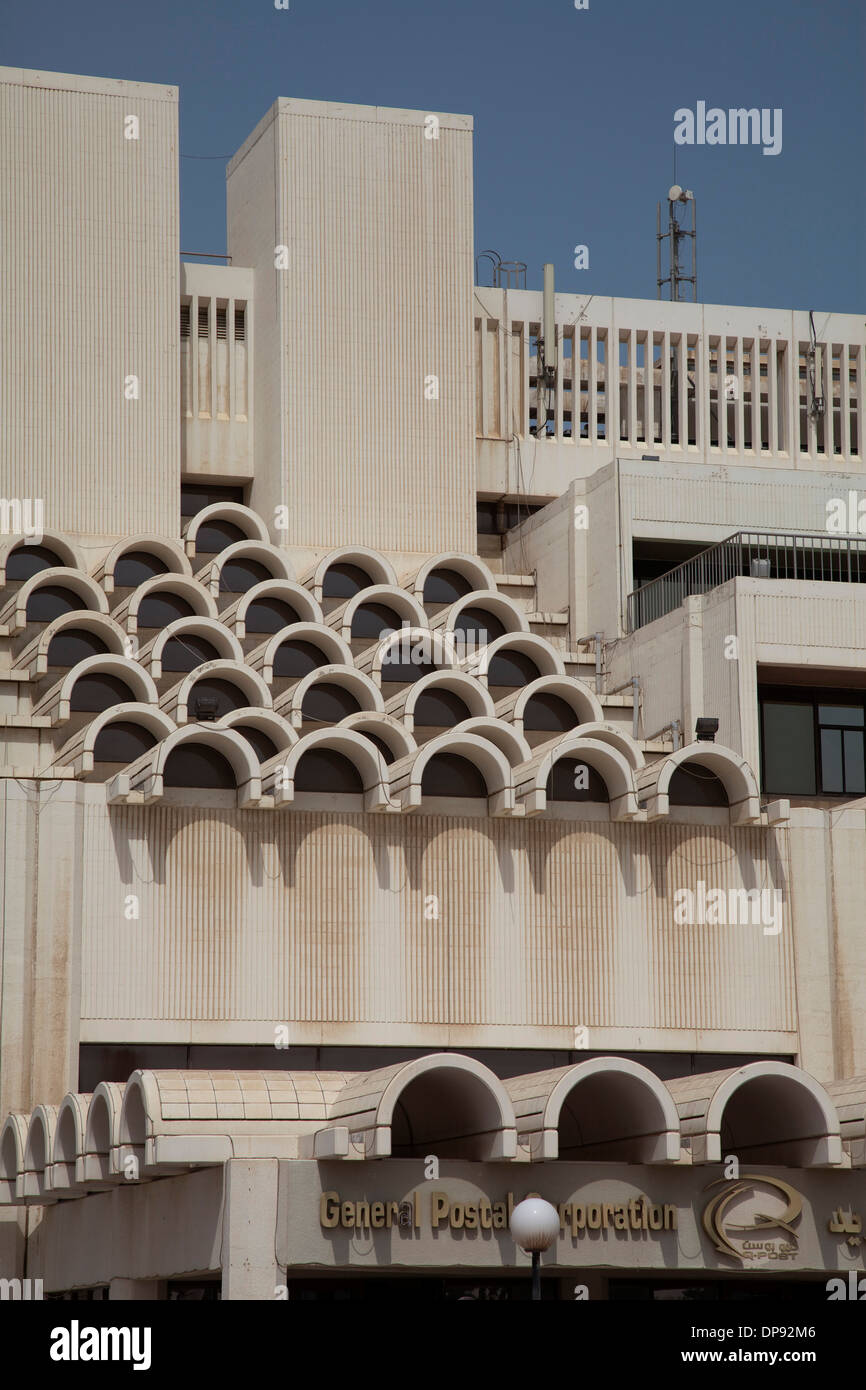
x,y
751,554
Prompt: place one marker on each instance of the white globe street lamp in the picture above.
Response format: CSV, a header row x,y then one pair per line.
x,y
535,1226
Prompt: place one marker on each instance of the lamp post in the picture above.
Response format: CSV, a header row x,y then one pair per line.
x,y
535,1226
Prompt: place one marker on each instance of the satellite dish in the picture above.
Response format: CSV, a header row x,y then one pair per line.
x,y
675,193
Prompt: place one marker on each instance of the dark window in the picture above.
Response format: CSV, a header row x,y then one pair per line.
x,y
571,779
512,668
446,586
812,742
373,619
440,708
323,770
270,615
297,658
122,742
162,608
186,652
135,566
28,560
549,712
197,765
236,576
344,581
73,645
380,744
399,672
52,602
328,704
215,535
98,692
194,497
479,621
447,774
264,747
211,699
695,785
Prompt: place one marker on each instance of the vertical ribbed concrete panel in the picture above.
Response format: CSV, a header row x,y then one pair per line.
x,y
364,340
89,265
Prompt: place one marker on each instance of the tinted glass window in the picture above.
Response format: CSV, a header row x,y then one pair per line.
x,y
51,602
160,609
328,704
446,586
99,692
135,566
483,625
28,560
450,775
214,536
298,659
571,779
270,615
545,711
236,576
344,581
196,765
695,785
322,770
512,668
441,709
380,744
122,742
187,652
73,645
374,619
788,748
265,747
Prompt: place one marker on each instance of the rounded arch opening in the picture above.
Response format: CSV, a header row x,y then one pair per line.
x,y
134,567
452,775
324,769
450,1112
196,764
74,644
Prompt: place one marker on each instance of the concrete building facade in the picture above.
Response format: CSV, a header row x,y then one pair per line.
x,y
409,761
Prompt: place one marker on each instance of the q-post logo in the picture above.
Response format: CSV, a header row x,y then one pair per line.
x,y
732,1222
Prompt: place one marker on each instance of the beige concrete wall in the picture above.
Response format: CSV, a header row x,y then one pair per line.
x,y
90,265
376,220
216,375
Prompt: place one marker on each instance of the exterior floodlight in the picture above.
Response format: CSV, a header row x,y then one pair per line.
x,y
535,1226
706,730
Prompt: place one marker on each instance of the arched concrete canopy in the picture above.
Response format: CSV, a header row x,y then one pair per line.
x,y
368,695
469,566
764,1112
308,610
64,548
37,1153
732,771
407,775
530,780
267,721
404,605
270,556
210,629
141,1105
505,609
604,732
380,570
102,1135
409,646
244,518
278,774
142,780
503,735
182,585
849,1099
334,650
176,701
69,1139
169,551
34,657
385,727
538,649
444,1103
79,751
13,1142
473,694
57,703
575,693
606,1108
14,612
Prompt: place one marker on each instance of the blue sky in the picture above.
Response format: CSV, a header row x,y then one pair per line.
x,y
574,118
